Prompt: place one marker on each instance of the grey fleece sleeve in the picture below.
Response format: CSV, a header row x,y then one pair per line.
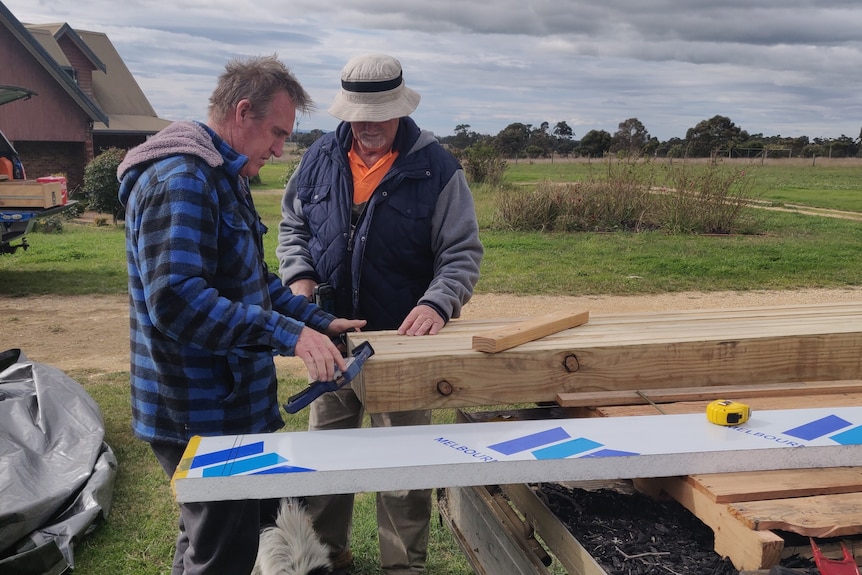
x,y
294,258
458,251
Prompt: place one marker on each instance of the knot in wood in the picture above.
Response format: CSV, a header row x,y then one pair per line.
x,y
444,387
571,363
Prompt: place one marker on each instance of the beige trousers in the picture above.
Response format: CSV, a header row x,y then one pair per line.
x,y
403,517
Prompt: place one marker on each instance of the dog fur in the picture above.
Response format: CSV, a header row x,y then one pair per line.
x,y
291,546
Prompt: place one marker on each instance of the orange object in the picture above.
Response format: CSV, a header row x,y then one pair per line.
x,y
6,168
844,566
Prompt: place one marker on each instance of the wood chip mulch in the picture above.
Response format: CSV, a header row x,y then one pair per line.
x,y
633,534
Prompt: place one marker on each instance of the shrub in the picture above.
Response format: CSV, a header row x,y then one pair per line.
x,y
482,164
289,169
620,202
709,200
49,225
101,185
522,209
75,211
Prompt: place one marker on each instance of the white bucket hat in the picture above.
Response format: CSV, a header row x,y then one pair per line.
x,y
373,90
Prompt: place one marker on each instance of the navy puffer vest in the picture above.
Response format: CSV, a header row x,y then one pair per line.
x,y
380,273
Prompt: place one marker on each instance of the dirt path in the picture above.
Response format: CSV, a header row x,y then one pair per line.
x,y
91,332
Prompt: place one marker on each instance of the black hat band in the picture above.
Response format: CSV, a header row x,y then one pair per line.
x,y
382,86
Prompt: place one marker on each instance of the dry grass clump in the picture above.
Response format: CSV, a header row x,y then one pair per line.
x,y
634,197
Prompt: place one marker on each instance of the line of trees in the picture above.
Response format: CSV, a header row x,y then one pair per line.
x,y
716,136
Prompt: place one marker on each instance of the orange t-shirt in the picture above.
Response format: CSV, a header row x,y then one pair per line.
x,y
365,179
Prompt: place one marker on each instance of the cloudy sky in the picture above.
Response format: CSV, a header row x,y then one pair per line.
x,y
774,67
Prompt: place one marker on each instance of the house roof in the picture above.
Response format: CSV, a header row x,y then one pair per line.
x,y
114,87
60,30
47,61
117,104
118,92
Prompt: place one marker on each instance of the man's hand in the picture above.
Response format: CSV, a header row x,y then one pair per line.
x,y
340,325
303,287
422,320
320,355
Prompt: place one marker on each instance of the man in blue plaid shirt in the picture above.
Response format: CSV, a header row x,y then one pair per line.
x,y
206,314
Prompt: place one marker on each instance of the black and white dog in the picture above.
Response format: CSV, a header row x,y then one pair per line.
x,y
291,546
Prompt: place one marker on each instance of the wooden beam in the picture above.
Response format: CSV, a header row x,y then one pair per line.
x,y
612,353
756,403
492,542
564,546
513,335
607,398
746,548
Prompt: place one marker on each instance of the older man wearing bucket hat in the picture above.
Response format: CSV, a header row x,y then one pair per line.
x,y
381,213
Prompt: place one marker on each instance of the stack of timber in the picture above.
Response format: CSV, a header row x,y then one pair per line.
x,y
612,353
778,357
756,516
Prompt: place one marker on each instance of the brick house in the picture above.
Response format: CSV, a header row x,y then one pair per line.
x,y
86,99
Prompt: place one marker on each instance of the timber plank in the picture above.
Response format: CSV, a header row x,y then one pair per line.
x,y
488,537
746,548
681,326
607,398
744,486
518,333
614,353
694,332
816,516
565,547
457,340
756,404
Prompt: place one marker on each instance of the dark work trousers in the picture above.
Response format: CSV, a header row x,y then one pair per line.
x,y
218,537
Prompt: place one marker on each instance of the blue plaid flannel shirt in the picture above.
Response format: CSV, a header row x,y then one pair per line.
x,y
206,314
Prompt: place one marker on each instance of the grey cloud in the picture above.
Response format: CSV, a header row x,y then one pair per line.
x,y
762,23
774,66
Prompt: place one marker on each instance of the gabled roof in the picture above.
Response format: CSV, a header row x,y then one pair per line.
x,y
118,93
114,87
58,31
44,59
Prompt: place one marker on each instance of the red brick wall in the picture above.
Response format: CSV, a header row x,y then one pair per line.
x,y
54,158
82,65
50,116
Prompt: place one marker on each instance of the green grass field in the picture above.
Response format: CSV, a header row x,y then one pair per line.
x,y
794,251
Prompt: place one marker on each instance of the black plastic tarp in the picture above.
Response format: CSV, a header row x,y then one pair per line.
x,y
56,471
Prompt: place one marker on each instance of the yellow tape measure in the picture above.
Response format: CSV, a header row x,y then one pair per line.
x,y
727,412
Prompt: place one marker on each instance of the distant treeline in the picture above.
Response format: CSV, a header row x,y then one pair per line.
x,y
717,136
